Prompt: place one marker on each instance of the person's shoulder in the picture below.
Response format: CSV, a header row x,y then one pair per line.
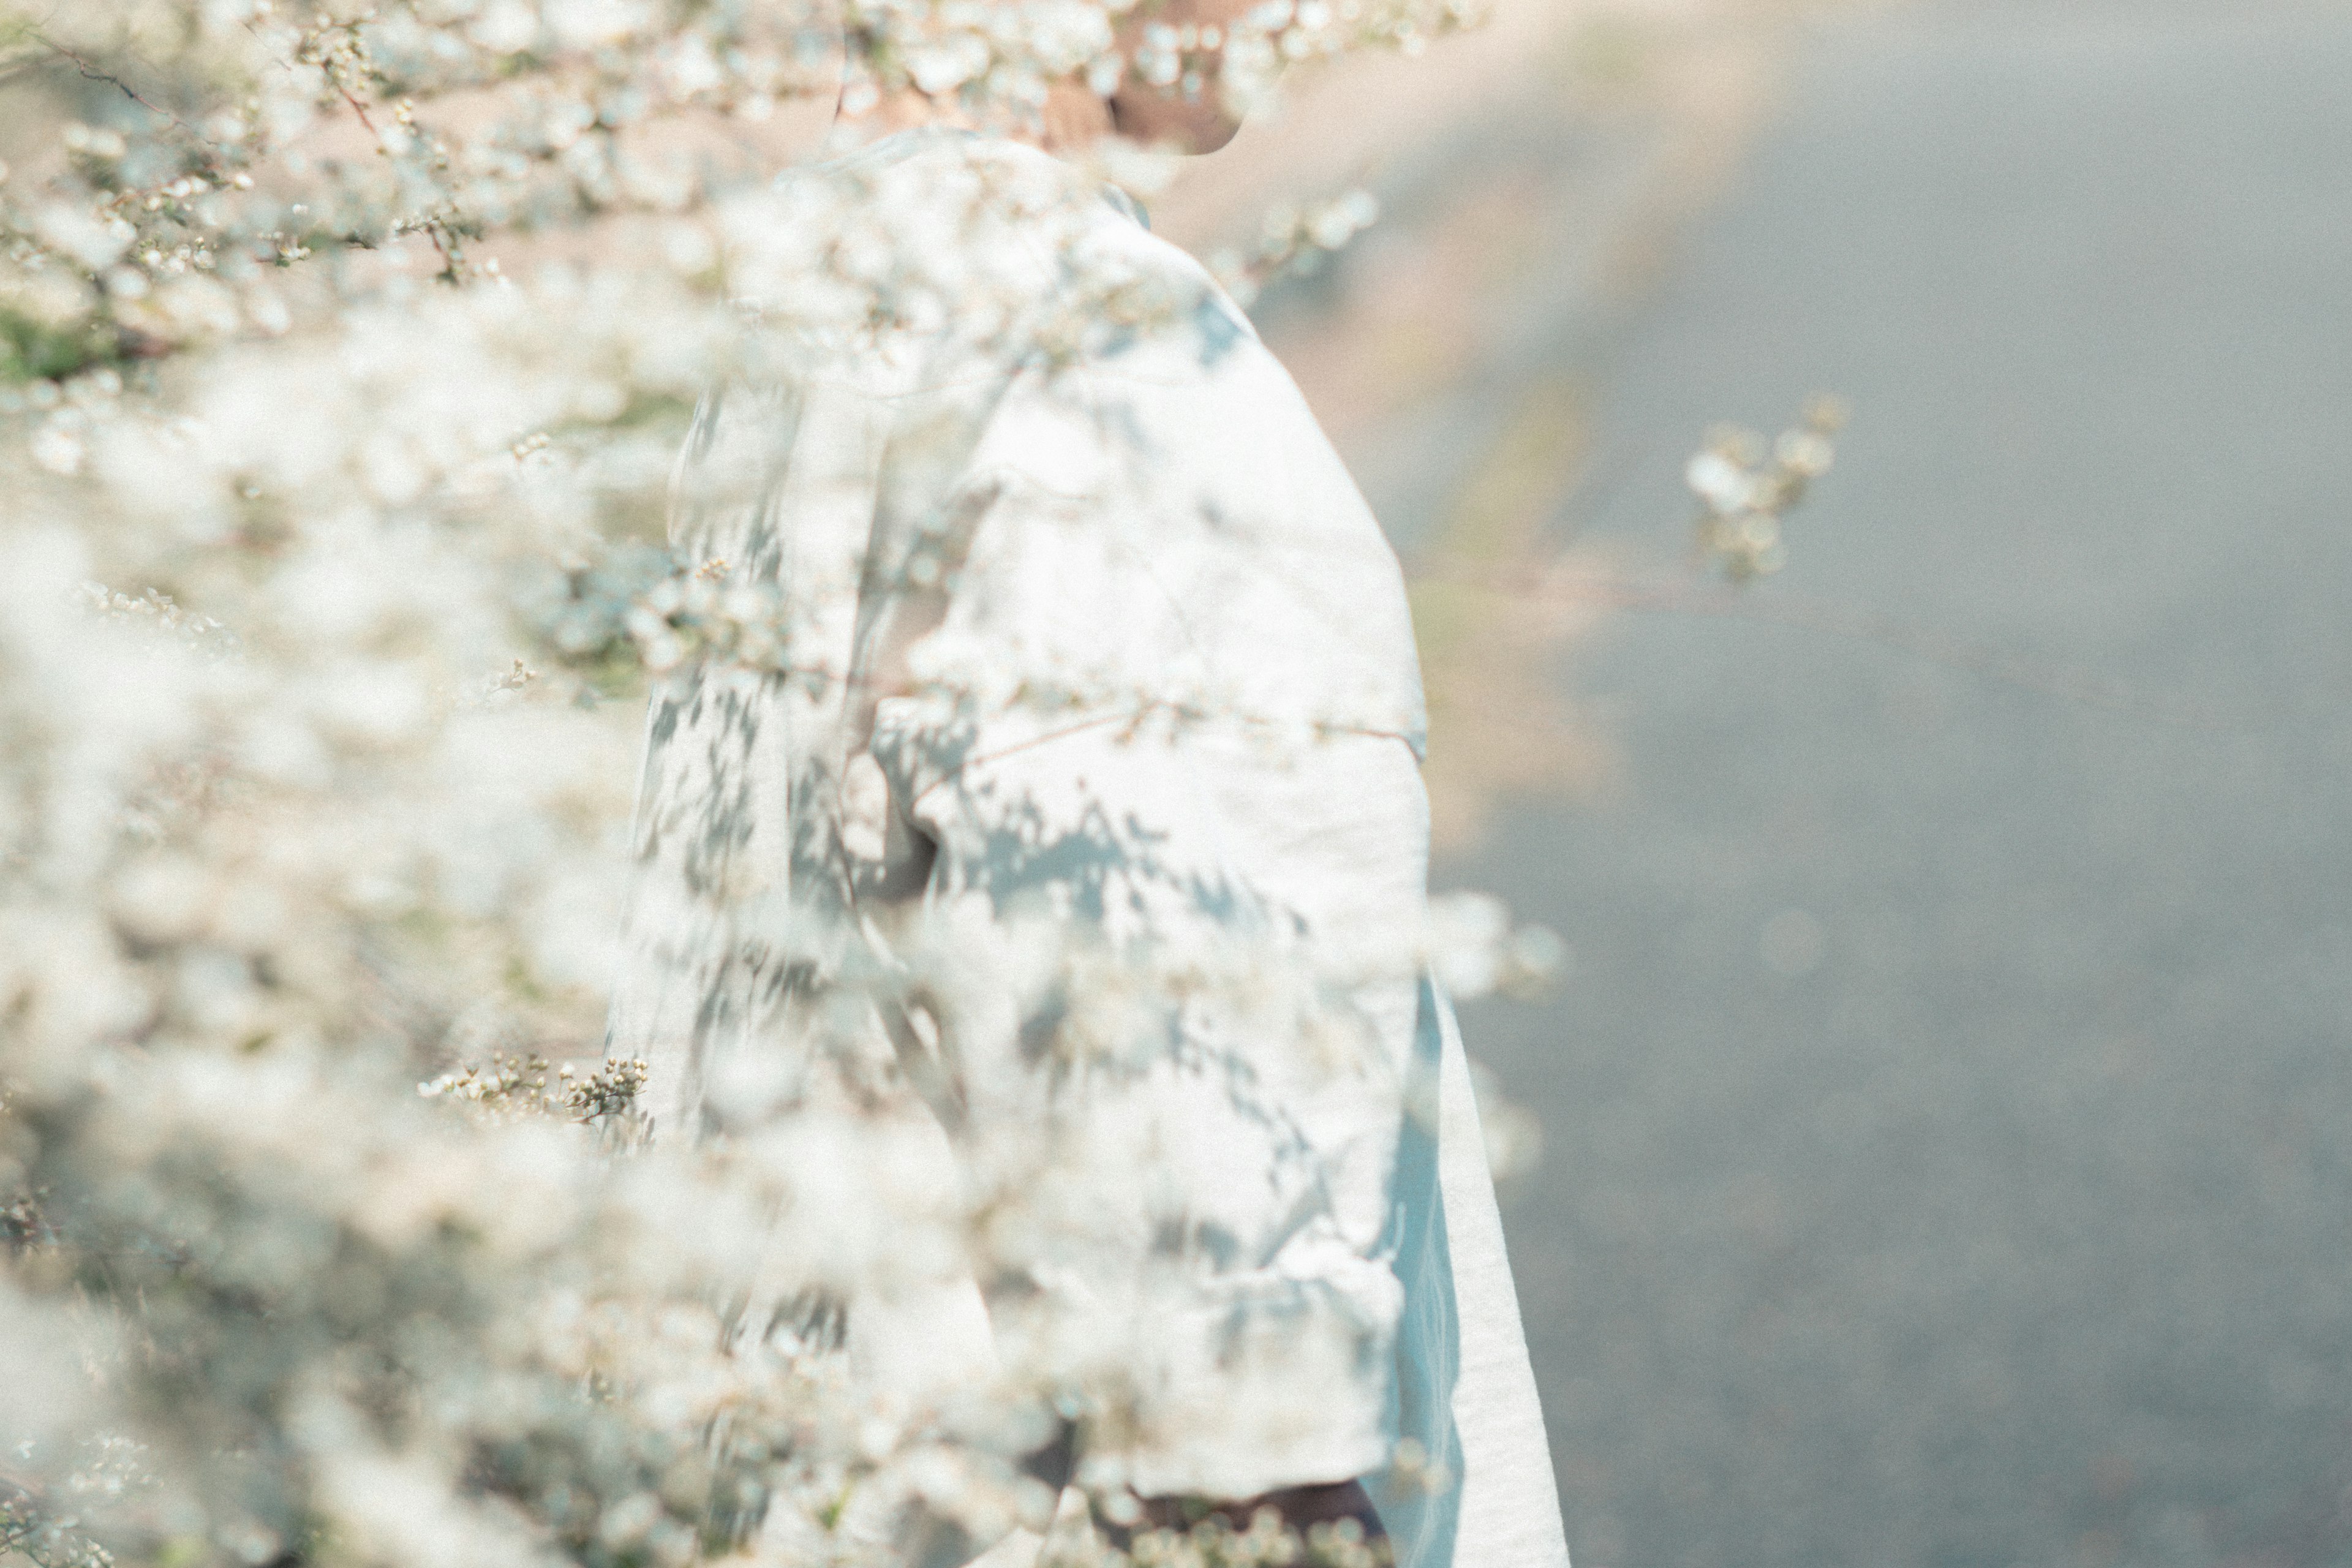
x,y
1112,297
925,233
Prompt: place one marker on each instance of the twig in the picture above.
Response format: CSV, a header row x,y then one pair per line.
x,y
360,108
92,73
1975,657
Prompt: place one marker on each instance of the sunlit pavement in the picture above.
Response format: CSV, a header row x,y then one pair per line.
x,y
1949,1119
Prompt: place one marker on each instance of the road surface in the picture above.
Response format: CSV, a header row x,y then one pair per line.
x,y
1949,1121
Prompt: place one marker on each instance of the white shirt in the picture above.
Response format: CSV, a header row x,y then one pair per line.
x,y
1095,780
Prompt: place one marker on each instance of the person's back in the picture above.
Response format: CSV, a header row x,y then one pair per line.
x,y
1095,787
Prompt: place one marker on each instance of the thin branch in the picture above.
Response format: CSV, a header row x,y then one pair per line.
x,y
360,108
1975,657
93,73
31,59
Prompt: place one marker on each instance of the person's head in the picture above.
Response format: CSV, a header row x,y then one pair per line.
x,y
1172,93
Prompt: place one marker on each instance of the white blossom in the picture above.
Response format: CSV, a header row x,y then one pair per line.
x,y
329,546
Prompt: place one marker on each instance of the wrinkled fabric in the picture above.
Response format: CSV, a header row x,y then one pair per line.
x,y
1087,814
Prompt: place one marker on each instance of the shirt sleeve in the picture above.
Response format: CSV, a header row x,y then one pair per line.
x,y
1165,959
1475,1486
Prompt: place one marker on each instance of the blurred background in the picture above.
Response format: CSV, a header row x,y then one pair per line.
x,y
1947,1119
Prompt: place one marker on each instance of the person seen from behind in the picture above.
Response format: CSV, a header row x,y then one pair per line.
x,y
1087,838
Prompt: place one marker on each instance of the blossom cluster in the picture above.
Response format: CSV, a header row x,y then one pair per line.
x,y
1745,487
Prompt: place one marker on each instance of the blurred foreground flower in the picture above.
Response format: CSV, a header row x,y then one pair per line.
x,y
345,356
1746,488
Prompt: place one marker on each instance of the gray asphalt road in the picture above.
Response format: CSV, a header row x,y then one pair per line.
x,y
1950,1121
